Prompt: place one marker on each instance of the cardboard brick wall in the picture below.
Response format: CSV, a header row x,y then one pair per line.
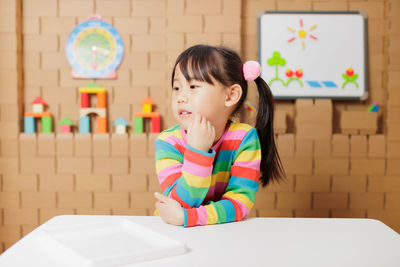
x,y
330,173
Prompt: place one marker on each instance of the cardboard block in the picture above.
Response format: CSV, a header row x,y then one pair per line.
x,y
393,149
143,165
109,200
41,165
101,145
340,146
366,200
86,183
311,213
285,145
280,124
53,183
142,200
338,166
393,133
82,145
322,148
297,166
64,144
346,183
138,145
119,145
315,183
357,121
364,166
129,183
9,148
38,199
115,165
392,201
9,200
28,145
15,183
309,131
18,216
381,184
73,200
264,201
9,165
10,234
304,148
46,144
288,213
150,144
285,185
393,167
70,165
293,200
330,201
377,146
346,213
358,146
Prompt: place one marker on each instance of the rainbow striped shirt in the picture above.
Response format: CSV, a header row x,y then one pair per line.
x,y
214,187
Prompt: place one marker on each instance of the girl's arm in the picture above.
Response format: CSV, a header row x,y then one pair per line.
x,y
184,173
239,196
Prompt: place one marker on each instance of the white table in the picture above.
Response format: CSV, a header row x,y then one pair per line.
x,y
252,242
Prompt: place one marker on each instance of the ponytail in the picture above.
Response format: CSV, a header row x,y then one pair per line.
x,y
271,166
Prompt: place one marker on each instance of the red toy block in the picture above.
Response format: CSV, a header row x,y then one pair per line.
x,y
155,124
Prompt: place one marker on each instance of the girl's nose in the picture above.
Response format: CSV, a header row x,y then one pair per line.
x,y
182,98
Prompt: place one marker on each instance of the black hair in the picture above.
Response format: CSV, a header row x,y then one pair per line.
x,y
204,62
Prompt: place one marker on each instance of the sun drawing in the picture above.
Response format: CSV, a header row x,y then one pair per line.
x,y
302,34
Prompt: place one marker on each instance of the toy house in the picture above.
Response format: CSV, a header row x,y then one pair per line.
x,y
38,112
147,105
100,109
120,125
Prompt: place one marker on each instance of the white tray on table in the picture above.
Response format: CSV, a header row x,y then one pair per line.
x,y
109,243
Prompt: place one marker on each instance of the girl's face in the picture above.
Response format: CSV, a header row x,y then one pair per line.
x,y
190,97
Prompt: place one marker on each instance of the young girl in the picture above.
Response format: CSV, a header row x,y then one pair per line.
x,y
209,167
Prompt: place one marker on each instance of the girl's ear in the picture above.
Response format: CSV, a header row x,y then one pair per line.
x,y
232,95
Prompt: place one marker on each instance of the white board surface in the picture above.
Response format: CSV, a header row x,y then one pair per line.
x,y
314,55
108,244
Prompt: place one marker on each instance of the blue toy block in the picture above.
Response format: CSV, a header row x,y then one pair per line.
x,y
29,125
84,124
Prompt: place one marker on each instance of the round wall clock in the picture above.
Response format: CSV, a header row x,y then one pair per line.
x,y
94,50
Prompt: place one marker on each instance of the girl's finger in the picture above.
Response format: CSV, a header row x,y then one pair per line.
x,y
160,197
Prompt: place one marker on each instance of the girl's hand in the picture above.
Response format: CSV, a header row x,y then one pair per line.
x,y
169,209
200,133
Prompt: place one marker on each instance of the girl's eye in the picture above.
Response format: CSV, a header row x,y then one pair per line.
x,y
193,86
175,88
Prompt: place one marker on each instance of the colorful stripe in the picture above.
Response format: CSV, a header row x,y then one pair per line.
x,y
214,187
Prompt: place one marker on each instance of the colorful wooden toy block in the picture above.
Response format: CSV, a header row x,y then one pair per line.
x,y
147,112
120,125
99,110
38,112
66,125
38,105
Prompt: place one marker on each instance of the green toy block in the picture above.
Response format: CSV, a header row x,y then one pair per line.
x,y
47,124
138,125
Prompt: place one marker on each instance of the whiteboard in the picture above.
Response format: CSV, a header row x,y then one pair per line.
x,y
314,54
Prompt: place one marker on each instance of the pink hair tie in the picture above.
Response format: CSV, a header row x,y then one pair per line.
x,y
251,70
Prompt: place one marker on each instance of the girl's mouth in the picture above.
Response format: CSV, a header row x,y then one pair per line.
x,y
184,113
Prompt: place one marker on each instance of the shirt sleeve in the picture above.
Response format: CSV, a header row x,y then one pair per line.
x,y
185,177
239,196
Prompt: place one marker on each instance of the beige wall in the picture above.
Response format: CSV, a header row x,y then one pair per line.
x,y
46,175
